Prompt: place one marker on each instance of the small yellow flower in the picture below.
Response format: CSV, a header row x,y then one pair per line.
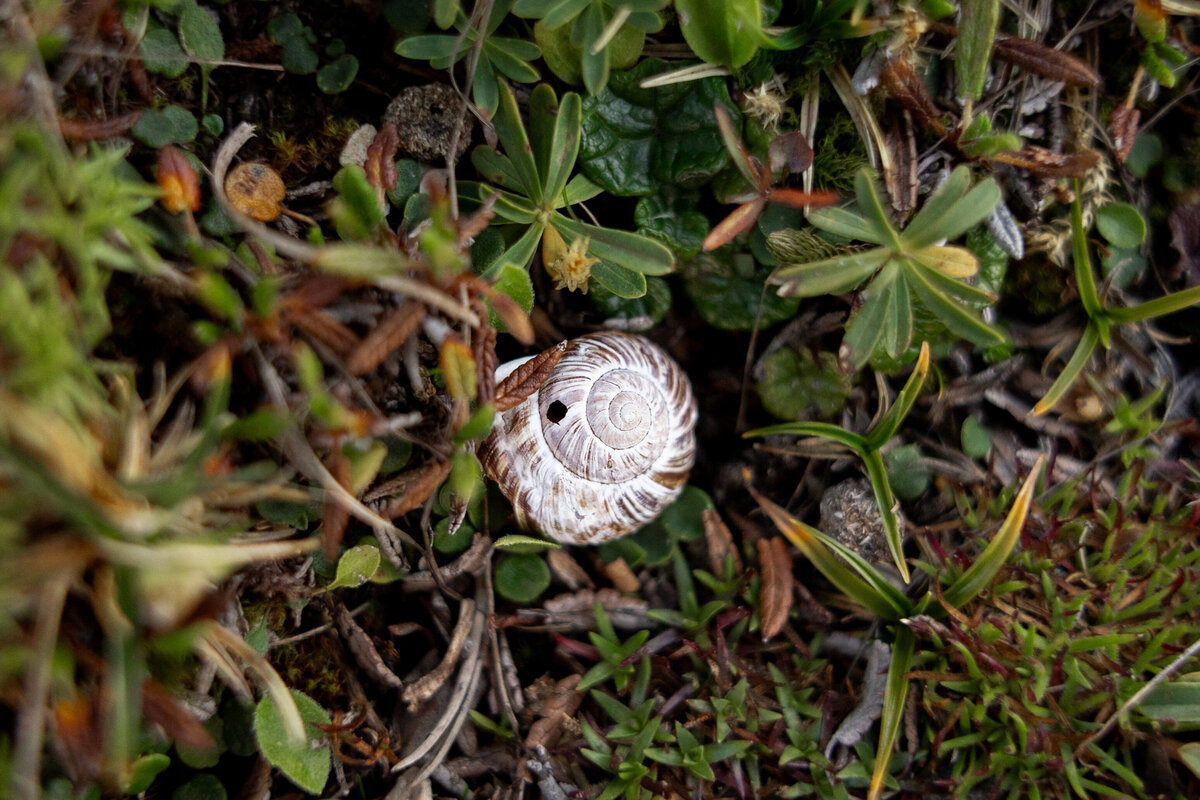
x,y
569,266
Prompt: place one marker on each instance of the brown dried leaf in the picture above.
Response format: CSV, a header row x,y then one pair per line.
x,y
483,348
901,179
380,165
512,315
622,576
776,596
906,86
567,570
1033,56
1123,128
326,330
86,130
527,378
364,650
391,332
1045,164
417,487
427,685
720,543
334,515
475,224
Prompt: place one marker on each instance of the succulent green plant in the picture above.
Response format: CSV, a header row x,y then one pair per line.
x,y
498,55
535,188
594,26
913,264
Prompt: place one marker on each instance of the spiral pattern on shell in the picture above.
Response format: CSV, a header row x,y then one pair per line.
x,y
604,444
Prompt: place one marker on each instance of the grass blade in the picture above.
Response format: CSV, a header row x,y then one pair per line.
x,y
890,423
1079,360
823,430
887,509
895,693
981,572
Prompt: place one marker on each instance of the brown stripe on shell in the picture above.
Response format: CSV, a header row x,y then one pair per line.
x,y
617,490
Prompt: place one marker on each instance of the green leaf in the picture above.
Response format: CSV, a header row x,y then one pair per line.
x,y
727,289
907,475
1073,369
298,57
652,305
171,125
672,217
797,384
937,205
637,140
962,215
1158,307
144,770
936,292
337,76
355,567
200,34
727,33
831,275
895,692
162,54
204,786
871,207
623,248
511,133
524,544
683,519
521,578
976,32
619,280
564,146
306,763
981,572
865,327
976,439
514,282
844,222
1177,702
887,426
1121,224
357,212
824,430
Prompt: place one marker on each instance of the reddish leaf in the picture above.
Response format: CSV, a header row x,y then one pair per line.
x,y
334,514
416,487
790,150
380,165
391,332
1035,57
1123,128
1045,164
90,129
795,198
740,220
906,86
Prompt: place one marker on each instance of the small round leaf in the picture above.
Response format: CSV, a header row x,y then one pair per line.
x,y
522,577
1121,225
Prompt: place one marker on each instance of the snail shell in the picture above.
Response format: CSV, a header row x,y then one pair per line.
x,y
604,444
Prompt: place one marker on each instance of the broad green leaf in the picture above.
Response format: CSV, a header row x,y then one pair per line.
x,y
593,64
564,147
172,125
653,305
936,206
898,321
1121,224
579,189
521,252
727,33
336,77
976,32
428,48
620,281
963,215
1073,369
162,54
727,289
521,577
355,567
497,168
829,276
845,222
514,139
358,212
796,384
514,282
512,57
895,693
542,121
623,248
864,328
636,140
200,34
981,572
306,762
672,217
1177,702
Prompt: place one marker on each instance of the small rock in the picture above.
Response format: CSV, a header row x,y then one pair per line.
x,y
426,118
850,514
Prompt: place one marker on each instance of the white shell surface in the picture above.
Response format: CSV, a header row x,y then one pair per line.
x,y
602,447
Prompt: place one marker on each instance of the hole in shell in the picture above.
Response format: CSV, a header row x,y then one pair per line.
x,y
556,411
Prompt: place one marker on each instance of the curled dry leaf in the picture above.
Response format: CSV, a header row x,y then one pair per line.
x,y
380,165
720,543
86,130
906,86
416,486
1046,164
255,190
1033,56
1123,128
483,348
525,379
775,599
178,180
391,332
